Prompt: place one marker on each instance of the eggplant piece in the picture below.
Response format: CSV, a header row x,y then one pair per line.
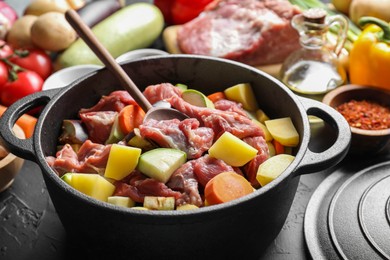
x,y
96,11
73,132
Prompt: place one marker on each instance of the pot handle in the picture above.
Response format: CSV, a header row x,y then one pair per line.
x,y
313,161
22,147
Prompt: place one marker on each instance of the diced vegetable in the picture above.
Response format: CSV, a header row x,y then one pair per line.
x,y
160,163
130,117
271,149
283,130
261,115
197,98
116,133
140,208
121,201
73,132
91,184
181,86
67,177
267,135
242,93
216,96
272,168
159,203
186,207
26,122
232,150
225,187
122,160
279,148
137,141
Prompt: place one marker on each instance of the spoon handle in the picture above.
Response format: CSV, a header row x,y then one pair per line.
x,y
102,53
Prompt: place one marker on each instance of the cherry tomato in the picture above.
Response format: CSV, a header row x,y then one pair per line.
x,y
27,82
35,60
5,49
3,74
185,10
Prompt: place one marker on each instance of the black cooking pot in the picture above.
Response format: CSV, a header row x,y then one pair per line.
x,y
240,229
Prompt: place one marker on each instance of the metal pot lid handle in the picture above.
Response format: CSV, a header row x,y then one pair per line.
x,y
318,161
23,148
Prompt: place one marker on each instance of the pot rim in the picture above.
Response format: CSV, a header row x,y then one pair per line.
x,y
289,172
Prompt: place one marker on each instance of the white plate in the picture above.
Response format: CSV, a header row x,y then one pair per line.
x,y
140,53
66,76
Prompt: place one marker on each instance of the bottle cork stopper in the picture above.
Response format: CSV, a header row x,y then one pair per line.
x,y
315,15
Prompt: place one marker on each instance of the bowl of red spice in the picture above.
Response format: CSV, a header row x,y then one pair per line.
x,y
367,111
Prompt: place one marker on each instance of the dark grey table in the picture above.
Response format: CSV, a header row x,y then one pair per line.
x,y
30,227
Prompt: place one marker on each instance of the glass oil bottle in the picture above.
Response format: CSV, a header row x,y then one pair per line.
x,y
314,69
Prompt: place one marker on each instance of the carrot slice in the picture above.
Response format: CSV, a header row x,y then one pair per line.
x,y
279,148
214,97
139,116
126,119
225,187
26,122
130,117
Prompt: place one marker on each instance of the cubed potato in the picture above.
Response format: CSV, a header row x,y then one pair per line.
x,y
186,207
261,115
272,168
159,203
283,131
122,160
242,93
93,185
232,150
121,201
267,135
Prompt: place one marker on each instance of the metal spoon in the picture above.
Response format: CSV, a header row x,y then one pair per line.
x,y
85,33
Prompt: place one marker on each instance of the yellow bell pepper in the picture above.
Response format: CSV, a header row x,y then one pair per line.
x,y
370,56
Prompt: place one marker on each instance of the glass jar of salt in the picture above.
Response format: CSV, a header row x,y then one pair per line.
x,y
315,69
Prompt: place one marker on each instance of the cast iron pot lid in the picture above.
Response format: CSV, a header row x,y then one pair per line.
x,y
348,216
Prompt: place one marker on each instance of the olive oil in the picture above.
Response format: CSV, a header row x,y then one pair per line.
x,y
313,77
314,69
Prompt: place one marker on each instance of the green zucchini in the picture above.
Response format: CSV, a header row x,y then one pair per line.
x,y
160,163
132,27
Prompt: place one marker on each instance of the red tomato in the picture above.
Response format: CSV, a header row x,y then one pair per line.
x,y
181,11
3,74
36,60
5,49
166,8
27,82
185,10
